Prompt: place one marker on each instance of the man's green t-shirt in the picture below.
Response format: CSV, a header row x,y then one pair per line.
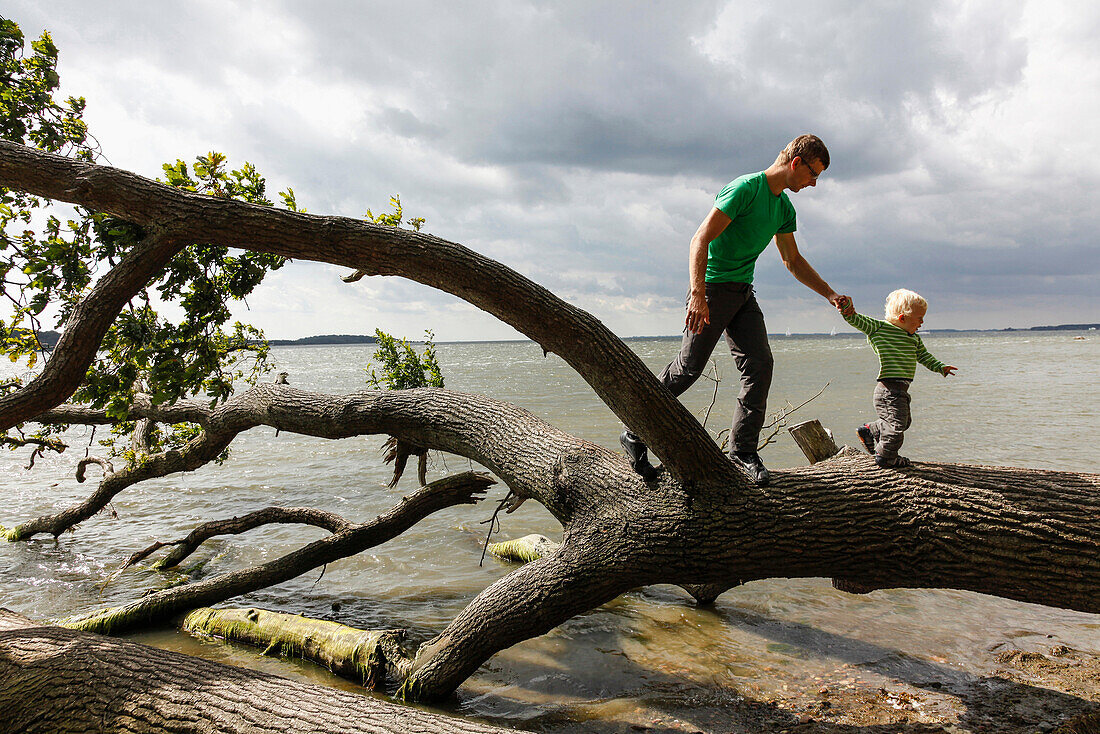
x,y
757,216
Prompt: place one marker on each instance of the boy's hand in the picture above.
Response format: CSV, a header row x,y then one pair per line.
x,y
949,370
844,305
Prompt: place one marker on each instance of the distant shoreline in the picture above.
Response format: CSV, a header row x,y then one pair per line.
x,y
49,338
348,339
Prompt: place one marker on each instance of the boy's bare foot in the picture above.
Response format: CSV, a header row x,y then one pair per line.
x,y
864,433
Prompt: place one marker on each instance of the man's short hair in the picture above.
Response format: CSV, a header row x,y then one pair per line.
x,y
808,148
903,301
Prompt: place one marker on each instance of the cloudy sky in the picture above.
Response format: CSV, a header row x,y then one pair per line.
x,y
582,142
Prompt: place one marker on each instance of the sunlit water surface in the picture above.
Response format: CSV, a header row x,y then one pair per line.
x,y
650,657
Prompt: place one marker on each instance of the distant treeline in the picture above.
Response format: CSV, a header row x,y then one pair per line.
x,y
1061,327
326,339
48,339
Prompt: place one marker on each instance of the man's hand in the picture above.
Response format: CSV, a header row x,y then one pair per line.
x,y
698,314
843,304
949,370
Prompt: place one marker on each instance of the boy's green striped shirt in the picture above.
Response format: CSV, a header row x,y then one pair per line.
x,y
898,351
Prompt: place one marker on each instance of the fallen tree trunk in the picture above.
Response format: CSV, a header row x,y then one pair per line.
x,y
57,681
1022,534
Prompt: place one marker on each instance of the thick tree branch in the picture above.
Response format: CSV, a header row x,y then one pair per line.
x,y
618,376
474,426
1022,534
368,657
530,601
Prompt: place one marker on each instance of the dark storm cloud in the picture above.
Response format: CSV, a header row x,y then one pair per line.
x,y
581,142
617,86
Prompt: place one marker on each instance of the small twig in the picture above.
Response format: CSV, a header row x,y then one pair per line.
x,y
38,451
714,397
785,412
142,555
722,439
779,420
108,467
493,523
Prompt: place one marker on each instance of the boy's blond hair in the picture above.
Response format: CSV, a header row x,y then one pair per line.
x,y
903,301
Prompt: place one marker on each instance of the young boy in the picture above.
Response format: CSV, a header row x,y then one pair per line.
x,y
899,349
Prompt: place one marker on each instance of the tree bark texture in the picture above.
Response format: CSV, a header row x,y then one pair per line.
x,y
60,681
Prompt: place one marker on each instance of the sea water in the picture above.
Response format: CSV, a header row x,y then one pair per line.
x,y
649,658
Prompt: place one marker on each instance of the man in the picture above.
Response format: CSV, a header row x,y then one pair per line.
x,y
747,214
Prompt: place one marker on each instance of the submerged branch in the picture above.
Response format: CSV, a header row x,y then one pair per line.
x,y
233,526
54,679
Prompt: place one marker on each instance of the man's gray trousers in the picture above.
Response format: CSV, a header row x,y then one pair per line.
x,y
735,313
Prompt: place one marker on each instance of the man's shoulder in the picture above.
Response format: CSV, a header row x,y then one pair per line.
x,y
748,179
742,190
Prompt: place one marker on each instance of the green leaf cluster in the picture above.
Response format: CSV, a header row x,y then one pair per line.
x,y
393,219
35,264
400,366
28,112
51,255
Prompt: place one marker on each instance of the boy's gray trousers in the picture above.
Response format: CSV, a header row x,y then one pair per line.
x,y
892,401
735,313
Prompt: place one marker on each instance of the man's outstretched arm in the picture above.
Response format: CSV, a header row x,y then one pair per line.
x,y
805,274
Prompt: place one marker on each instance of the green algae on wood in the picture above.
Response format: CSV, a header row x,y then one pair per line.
x,y
364,656
524,550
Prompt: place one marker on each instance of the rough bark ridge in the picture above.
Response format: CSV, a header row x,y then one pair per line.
x,y
1022,534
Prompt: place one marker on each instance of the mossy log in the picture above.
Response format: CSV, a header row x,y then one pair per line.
x,y
364,656
523,550
61,681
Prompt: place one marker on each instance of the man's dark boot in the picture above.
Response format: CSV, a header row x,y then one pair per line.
x,y
639,455
750,463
